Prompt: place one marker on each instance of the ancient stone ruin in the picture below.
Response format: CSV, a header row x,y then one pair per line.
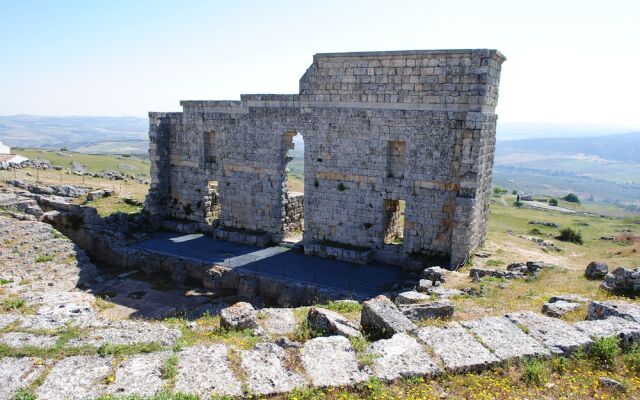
x,y
398,155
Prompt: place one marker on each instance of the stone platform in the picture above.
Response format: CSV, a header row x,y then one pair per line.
x,y
279,263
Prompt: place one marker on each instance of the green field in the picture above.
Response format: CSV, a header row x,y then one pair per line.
x,y
127,164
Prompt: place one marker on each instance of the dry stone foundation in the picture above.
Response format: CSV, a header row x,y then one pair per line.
x,y
380,129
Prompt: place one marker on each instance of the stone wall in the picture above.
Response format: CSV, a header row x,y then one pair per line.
x,y
381,127
294,213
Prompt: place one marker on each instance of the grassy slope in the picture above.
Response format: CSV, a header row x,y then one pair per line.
x,y
93,162
507,223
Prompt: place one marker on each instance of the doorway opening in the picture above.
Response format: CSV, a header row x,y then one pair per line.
x,y
293,196
394,221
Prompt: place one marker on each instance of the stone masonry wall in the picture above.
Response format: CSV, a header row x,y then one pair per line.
x,y
417,126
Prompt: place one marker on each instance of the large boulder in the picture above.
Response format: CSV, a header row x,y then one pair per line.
x,y
596,270
330,322
380,318
622,281
434,274
238,317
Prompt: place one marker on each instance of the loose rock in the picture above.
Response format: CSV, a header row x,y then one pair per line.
x,y
431,310
381,319
238,317
596,270
412,297
331,323
612,308
559,308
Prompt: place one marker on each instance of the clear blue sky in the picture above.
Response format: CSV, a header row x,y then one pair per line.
x,y
568,61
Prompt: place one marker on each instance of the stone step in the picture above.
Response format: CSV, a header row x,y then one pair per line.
x,y
457,348
505,340
556,335
400,357
205,371
331,361
266,370
76,378
17,373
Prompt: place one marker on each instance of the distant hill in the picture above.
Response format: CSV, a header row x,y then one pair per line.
x,y
621,147
535,130
84,134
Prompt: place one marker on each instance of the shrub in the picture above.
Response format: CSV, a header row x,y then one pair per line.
x,y
570,235
341,187
604,351
518,204
632,358
572,198
499,191
514,192
533,371
553,201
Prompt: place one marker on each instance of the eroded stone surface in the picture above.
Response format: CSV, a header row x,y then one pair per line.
x,y
559,308
22,339
627,331
16,373
76,378
505,339
277,321
400,356
266,370
622,309
435,309
331,361
412,297
556,335
205,370
139,375
129,332
457,349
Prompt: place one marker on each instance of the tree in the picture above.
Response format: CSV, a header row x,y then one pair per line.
x,y
572,198
553,201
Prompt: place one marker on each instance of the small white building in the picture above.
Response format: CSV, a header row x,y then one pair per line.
x,y
4,149
7,159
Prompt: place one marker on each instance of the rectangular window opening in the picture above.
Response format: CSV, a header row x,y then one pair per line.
x,y
394,221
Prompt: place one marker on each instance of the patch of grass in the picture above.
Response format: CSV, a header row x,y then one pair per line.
x,y
24,394
343,306
103,304
170,367
533,372
494,263
306,393
12,303
631,358
162,395
44,258
5,281
303,332
109,349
